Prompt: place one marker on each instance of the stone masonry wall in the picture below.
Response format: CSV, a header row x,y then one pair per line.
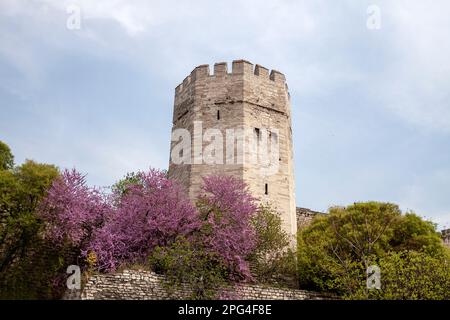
x,y
146,285
305,216
446,237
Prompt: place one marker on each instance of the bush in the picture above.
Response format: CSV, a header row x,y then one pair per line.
x,y
187,265
413,275
404,275
272,261
335,251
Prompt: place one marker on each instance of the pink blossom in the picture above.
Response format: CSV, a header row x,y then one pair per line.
x,y
124,227
227,206
151,213
71,210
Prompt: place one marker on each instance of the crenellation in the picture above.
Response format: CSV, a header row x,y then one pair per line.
x,y
220,69
178,88
277,76
200,72
261,71
242,67
186,81
239,68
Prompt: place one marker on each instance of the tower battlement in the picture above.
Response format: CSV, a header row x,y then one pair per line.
x,y
239,67
245,83
249,97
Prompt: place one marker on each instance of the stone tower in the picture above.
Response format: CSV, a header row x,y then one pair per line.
x,y
238,112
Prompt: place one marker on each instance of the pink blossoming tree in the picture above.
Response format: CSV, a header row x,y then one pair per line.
x,y
150,213
73,212
226,208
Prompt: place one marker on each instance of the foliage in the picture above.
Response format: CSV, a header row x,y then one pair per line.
x,y
38,273
216,253
147,210
9,194
28,264
413,275
149,214
272,261
48,221
57,219
405,275
120,188
413,233
270,235
335,250
91,261
72,211
21,190
186,264
6,157
226,208
131,179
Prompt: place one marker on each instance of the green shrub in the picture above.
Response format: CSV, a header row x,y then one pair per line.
x,y
272,261
187,265
335,251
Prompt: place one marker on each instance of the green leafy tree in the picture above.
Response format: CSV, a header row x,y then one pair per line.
x,y
131,179
335,251
272,260
410,232
6,157
186,264
24,256
21,190
9,187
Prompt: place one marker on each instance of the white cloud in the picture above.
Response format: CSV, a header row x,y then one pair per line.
x,y
416,82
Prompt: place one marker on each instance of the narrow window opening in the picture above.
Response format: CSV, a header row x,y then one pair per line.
x,y
257,131
266,189
218,114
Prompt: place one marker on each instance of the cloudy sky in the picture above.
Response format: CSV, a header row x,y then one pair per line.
x,y
371,107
